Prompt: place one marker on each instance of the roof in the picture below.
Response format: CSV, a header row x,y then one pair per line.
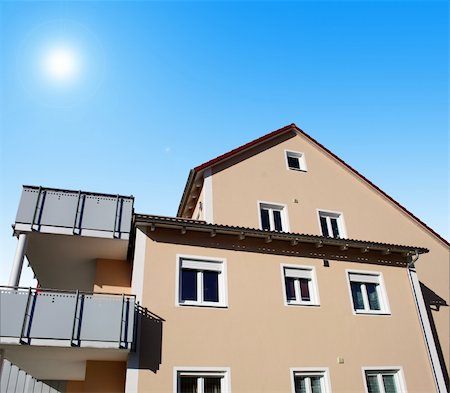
x,y
214,229
274,134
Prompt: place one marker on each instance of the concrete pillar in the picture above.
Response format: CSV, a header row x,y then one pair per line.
x,y
16,270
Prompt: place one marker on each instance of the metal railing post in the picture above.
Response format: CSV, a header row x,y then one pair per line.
x,y
121,321
76,213
75,320
25,319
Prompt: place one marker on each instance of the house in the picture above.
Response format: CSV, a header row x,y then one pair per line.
x,y
285,270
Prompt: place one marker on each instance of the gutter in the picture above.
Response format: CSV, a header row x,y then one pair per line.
x,y
425,325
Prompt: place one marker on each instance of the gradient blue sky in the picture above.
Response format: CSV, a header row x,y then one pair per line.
x,y
166,86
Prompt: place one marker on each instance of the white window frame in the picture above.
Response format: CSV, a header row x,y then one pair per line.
x,y
304,271
366,276
397,370
313,371
301,160
332,214
200,372
202,263
274,206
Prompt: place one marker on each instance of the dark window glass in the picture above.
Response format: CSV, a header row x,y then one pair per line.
x,y
323,224
293,162
188,284
212,384
358,302
372,384
315,385
300,385
389,384
290,289
277,220
188,385
265,222
372,294
334,227
304,289
210,286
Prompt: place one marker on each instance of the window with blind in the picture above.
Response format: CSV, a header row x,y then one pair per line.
x,y
311,381
201,282
300,285
384,381
200,381
367,293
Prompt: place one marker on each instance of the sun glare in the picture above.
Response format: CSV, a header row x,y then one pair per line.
x,y
61,64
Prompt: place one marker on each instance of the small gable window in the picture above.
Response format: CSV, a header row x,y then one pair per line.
x,y
295,161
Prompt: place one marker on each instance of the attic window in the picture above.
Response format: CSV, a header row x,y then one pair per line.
x,y
295,161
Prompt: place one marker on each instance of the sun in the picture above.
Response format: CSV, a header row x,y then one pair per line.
x,y
61,63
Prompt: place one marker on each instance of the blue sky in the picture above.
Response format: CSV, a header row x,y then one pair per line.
x,y
165,86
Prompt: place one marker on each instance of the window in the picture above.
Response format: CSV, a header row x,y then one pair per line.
x,y
384,381
332,224
300,285
310,381
295,161
273,217
202,381
201,282
368,293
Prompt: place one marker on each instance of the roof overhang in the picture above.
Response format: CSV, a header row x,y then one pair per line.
x,y
294,243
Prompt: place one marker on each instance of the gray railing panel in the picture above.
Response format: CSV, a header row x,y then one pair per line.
x,y
12,310
127,212
130,327
53,315
101,318
27,205
59,209
21,381
99,213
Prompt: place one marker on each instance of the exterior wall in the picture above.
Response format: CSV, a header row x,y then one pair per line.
x,y
101,377
113,276
328,185
260,339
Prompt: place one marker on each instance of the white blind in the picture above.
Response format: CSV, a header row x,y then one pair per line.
x,y
297,273
201,265
370,278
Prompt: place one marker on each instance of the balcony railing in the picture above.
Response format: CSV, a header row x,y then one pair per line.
x,y
77,318
83,213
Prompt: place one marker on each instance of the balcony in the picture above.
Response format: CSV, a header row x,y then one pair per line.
x,y
51,333
66,318
67,231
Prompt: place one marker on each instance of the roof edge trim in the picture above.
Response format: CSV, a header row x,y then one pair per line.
x,y
196,225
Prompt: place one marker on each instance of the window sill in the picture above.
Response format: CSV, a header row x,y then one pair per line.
x,y
302,304
366,312
203,305
298,169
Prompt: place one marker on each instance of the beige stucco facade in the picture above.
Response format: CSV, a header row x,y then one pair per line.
x,y
262,175
101,377
259,338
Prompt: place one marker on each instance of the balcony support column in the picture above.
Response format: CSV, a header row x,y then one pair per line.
x,y
16,270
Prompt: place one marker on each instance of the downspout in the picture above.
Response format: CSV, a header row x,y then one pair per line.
x,y
430,344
